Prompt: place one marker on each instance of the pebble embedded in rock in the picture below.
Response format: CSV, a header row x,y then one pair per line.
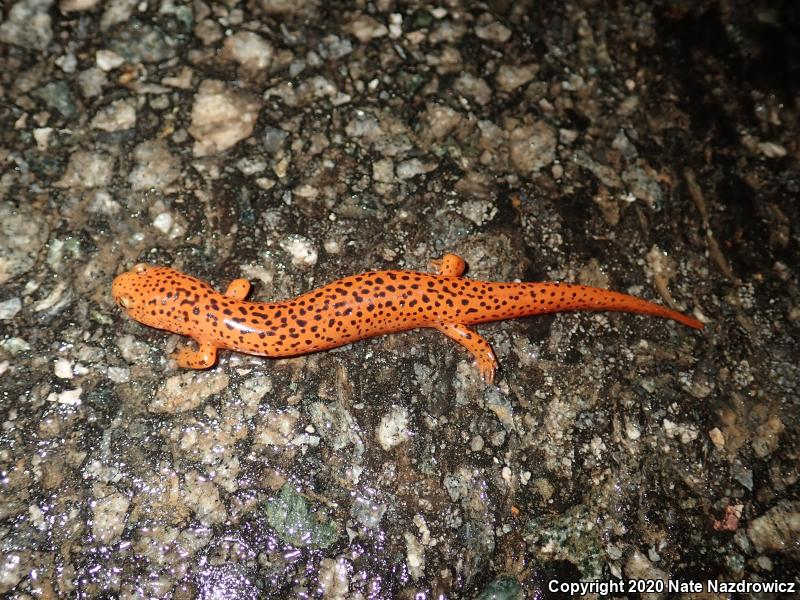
x,y
510,77
249,50
187,391
393,428
156,167
108,515
28,25
493,32
532,147
301,249
413,167
87,170
365,28
117,116
473,87
68,6
221,117
9,308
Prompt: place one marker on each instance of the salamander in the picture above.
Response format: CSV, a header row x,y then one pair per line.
x,y
351,309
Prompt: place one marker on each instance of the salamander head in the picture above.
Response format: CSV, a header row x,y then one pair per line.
x,y
151,295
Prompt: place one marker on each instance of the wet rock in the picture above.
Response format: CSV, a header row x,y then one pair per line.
x,y
28,25
221,117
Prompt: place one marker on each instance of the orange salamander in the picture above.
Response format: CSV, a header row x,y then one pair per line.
x,y
350,309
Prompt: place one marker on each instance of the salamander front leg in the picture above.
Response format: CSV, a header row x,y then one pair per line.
x,y
450,265
202,358
477,346
238,289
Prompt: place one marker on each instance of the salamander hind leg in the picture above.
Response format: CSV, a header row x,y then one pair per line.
x,y
450,265
202,358
477,346
238,289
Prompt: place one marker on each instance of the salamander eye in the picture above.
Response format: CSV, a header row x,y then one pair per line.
x,y
124,301
140,268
